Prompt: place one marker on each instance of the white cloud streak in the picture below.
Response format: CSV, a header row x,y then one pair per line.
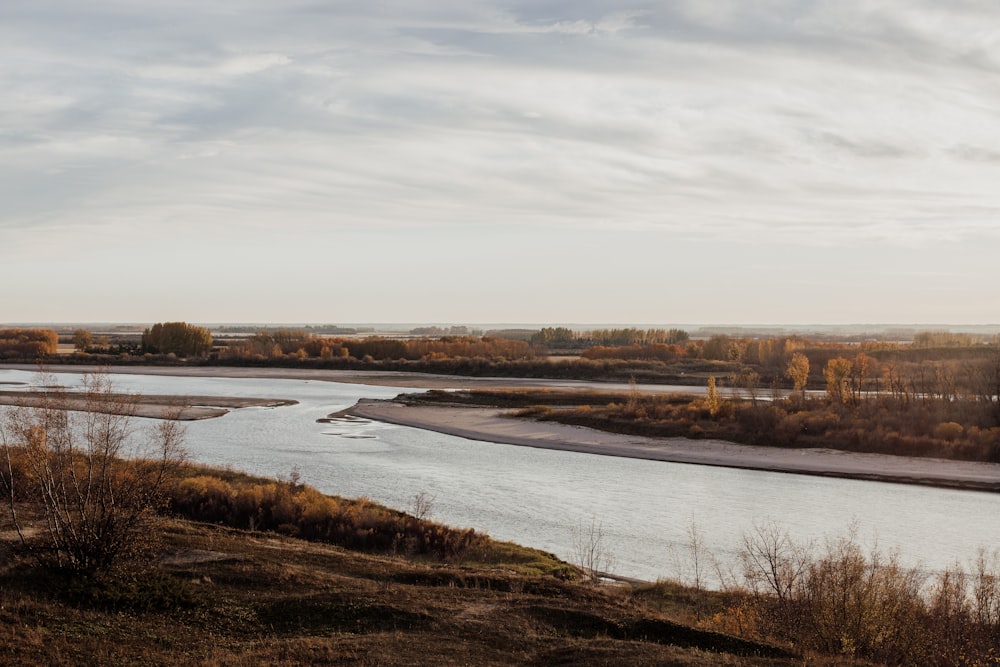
x,y
813,122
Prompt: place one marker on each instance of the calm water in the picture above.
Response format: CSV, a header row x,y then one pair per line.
x,y
540,498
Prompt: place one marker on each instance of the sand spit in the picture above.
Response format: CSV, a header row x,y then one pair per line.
x,y
402,379
490,424
182,408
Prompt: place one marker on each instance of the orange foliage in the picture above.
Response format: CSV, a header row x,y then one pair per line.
x,y
656,351
28,343
304,512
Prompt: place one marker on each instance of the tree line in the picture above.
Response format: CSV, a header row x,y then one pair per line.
x,y
177,338
28,343
948,409
565,338
302,345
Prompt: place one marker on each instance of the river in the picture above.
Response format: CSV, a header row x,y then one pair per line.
x,y
541,498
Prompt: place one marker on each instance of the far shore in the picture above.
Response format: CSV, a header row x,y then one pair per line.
x,y
492,425
401,379
489,424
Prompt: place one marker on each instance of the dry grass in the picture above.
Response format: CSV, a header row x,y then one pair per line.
x,y
265,599
957,429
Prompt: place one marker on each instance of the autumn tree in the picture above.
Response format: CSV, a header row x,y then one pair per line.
x,y
82,340
747,379
862,369
837,373
28,343
180,338
798,371
554,337
712,399
96,481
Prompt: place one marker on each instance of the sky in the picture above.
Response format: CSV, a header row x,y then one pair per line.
x,y
463,161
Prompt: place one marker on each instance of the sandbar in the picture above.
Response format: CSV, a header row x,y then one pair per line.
x,y
181,408
493,425
402,379
489,425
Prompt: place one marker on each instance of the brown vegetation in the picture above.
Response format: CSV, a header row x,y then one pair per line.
x,y
300,511
303,345
234,592
218,596
839,600
564,338
72,460
177,338
886,423
656,351
27,343
845,601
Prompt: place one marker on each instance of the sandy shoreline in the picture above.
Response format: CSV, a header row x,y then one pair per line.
x,y
488,424
181,408
401,379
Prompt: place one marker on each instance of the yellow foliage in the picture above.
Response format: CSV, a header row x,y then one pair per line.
x,y
949,431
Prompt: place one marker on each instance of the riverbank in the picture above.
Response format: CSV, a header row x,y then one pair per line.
x,y
180,408
216,595
487,424
401,379
492,425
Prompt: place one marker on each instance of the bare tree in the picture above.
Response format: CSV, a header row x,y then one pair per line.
x,y
590,550
696,551
95,480
772,562
423,505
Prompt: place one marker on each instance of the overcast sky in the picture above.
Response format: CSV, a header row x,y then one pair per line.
x,y
711,161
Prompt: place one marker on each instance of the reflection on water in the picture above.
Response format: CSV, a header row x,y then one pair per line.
x,y
539,497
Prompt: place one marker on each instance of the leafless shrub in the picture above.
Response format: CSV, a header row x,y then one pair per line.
x,y
590,550
844,600
77,457
423,505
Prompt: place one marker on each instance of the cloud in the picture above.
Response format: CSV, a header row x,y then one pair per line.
x,y
976,153
213,72
819,122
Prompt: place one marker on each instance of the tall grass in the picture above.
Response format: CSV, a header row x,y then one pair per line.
x,y
841,599
301,511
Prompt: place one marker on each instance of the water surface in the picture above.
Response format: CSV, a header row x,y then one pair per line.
x,y
540,497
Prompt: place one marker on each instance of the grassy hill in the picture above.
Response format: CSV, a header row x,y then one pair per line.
x,y
219,596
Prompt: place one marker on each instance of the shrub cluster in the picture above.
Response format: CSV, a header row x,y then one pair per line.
x,y
656,351
844,601
941,429
304,345
27,343
304,512
179,338
76,459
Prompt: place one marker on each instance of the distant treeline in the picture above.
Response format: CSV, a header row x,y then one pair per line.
x,y
177,338
564,338
28,343
321,329
304,345
648,355
445,331
943,407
